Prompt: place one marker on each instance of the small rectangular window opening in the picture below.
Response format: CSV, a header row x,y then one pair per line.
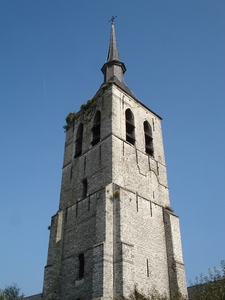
x,y
85,187
151,208
71,172
77,209
89,203
81,265
147,268
137,201
157,168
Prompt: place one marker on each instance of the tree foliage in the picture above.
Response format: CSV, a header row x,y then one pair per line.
x,y
210,287
11,292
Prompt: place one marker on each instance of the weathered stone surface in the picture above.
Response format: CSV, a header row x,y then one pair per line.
x,y
119,224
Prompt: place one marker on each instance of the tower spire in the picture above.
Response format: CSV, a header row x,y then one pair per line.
x,y
113,65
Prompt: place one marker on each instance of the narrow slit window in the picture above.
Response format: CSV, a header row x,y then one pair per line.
x,y
89,203
77,209
147,268
130,132
85,187
148,138
81,265
137,201
71,172
78,142
150,208
96,128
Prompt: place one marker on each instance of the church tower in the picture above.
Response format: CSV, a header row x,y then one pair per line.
x,y
114,230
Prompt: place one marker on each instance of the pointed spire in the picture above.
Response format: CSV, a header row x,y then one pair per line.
x,y
113,51
113,65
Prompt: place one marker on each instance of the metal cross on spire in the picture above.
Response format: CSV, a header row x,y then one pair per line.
x,y
112,19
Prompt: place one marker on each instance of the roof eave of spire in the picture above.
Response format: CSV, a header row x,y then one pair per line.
x,y
113,62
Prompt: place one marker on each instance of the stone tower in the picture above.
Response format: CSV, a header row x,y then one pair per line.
x,y
114,229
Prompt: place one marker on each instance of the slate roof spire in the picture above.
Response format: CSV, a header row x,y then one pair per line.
x,y
113,66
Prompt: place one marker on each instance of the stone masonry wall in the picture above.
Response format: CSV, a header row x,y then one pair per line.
x,y
132,167
142,239
82,229
120,225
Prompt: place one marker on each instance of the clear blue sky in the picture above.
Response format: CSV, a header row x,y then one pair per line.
x,y
51,53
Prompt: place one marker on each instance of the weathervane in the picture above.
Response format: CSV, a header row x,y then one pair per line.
x,y
112,19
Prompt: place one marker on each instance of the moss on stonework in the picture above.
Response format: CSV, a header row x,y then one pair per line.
x,y
70,118
90,104
116,193
104,86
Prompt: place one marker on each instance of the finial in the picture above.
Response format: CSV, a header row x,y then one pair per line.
x,y
112,19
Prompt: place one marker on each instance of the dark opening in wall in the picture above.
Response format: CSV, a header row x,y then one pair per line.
x,y
77,209
85,187
81,265
147,268
78,142
148,138
130,133
71,172
150,208
137,201
96,128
